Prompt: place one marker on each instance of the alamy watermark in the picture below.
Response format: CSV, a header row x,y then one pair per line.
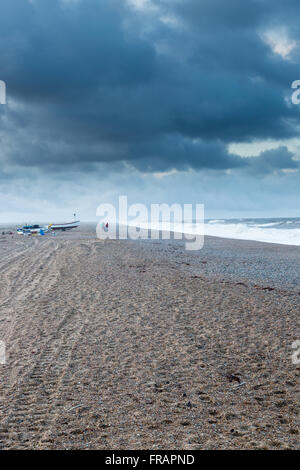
x,y
296,353
164,221
296,95
2,92
2,353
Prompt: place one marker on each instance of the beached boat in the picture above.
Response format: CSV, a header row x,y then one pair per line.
x,y
42,229
65,226
33,230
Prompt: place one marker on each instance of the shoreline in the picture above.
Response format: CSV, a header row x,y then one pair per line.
x,y
13,226
236,259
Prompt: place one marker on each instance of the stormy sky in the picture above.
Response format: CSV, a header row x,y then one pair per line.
x,y
161,100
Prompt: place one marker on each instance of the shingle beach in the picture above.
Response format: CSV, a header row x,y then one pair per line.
x,y
144,345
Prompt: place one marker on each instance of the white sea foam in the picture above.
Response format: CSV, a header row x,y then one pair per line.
x,y
186,228
261,233
217,221
238,230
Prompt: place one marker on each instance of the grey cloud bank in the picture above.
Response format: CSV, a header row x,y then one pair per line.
x,y
103,96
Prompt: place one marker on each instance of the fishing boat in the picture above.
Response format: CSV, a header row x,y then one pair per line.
x,y
33,230
65,226
42,229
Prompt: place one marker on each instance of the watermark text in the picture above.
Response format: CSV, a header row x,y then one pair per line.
x,y
2,353
2,92
296,353
137,221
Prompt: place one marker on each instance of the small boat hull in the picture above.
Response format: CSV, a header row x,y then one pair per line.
x,y
32,230
66,226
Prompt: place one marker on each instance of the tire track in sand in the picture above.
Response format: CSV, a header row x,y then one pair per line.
x,y
32,382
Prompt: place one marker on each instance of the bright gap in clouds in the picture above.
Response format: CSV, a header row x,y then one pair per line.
x,y
141,4
279,42
255,148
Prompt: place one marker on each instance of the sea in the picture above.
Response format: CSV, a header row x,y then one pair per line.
x,y
284,231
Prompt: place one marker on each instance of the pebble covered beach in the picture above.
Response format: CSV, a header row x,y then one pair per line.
x,y
144,345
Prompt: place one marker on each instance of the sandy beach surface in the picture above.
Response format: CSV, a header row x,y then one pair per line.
x,y
144,345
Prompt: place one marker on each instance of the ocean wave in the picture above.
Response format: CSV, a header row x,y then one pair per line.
x,y
243,231
274,231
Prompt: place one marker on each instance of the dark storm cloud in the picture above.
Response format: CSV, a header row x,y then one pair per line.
x,y
95,81
156,155
58,52
276,160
